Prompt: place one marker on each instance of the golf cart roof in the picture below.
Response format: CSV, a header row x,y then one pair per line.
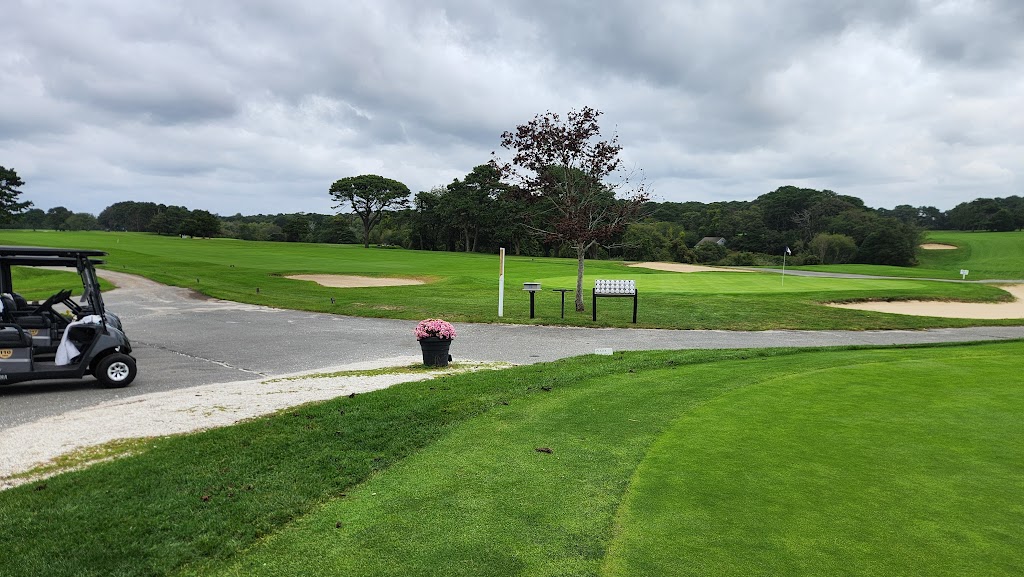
x,y
46,256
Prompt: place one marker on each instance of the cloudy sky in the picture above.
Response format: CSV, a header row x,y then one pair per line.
x,y
257,106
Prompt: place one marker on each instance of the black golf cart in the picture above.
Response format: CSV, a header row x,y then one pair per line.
x,y
60,338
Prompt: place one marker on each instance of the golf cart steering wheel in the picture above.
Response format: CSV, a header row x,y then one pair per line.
x,y
48,303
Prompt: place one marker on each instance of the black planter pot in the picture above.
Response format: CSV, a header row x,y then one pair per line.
x,y
435,351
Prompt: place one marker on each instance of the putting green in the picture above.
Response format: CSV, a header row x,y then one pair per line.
x,y
718,283
805,473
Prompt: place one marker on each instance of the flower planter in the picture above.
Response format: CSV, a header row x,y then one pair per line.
x,y
435,351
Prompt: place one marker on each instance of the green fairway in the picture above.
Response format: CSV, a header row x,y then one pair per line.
x,y
987,255
880,461
463,287
997,255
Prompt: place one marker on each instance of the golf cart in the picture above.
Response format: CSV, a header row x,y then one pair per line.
x,y
38,341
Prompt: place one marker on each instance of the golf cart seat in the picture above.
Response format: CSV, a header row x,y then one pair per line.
x,y
15,351
13,336
32,321
23,314
39,327
19,301
10,308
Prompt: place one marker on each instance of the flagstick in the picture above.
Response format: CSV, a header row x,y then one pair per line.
x,y
783,269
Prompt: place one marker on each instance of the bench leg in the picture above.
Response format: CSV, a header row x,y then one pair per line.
x,y
593,307
634,308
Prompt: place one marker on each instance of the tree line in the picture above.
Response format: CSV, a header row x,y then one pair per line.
x,y
527,206
818,226
480,212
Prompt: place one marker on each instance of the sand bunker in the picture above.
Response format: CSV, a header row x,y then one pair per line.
x,y
935,246
1014,310
350,281
680,267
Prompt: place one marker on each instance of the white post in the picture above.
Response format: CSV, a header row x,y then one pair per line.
x,y
501,283
784,267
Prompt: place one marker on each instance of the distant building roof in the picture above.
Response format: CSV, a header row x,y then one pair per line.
x,y
715,239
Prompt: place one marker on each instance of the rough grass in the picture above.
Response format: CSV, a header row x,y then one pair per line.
x,y
463,287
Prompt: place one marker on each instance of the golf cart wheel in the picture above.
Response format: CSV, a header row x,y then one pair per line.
x,y
116,370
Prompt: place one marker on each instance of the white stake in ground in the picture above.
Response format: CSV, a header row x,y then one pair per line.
x,y
501,282
787,251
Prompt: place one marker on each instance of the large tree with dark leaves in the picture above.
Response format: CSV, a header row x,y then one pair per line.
x,y
369,196
129,216
565,166
200,223
9,193
469,205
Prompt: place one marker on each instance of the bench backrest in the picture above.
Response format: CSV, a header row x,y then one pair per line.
x,y
615,287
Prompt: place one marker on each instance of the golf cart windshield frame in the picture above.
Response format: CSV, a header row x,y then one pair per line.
x,y
37,256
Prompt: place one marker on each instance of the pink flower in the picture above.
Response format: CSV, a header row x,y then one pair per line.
x,y
434,328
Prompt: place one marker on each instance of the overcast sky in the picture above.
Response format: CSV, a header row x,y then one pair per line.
x,y
257,106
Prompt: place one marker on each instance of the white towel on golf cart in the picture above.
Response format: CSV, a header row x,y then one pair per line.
x,y
67,350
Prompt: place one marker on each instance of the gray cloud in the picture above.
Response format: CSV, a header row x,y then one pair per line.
x,y
258,106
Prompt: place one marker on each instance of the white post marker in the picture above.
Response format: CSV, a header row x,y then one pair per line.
x,y
784,253
963,273
501,283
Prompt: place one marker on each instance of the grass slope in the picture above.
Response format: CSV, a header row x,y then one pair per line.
x,y
796,465
233,270
483,500
867,461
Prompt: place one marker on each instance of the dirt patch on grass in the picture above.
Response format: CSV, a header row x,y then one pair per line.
x,y
680,267
952,310
936,246
351,281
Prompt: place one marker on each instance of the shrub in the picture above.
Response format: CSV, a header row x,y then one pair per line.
x,y
710,252
740,259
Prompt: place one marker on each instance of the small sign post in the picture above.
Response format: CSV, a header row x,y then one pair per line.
x,y
501,283
963,273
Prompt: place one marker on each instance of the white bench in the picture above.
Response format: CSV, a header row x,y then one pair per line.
x,y
614,288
